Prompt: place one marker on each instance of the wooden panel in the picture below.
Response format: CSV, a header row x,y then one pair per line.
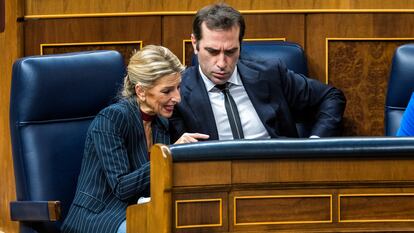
x,y
10,47
261,200
296,209
377,208
328,170
92,30
282,209
361,69
186,174
35,7
177,30
125,48
200,212
354,65
289,26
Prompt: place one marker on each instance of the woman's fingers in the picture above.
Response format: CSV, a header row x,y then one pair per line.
x,y
198,135
191,137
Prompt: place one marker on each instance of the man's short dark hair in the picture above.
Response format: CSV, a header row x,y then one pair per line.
x,y
218,16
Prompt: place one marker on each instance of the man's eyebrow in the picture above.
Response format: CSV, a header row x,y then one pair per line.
x,y
210,48
227,50
232,49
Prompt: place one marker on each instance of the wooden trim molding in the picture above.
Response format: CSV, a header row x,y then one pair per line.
x,y
42,46
246,12
186,41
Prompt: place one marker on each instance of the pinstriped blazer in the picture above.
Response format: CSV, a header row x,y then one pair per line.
x,y
115,168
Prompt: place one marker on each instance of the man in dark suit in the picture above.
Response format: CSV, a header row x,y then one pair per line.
x,y
231,98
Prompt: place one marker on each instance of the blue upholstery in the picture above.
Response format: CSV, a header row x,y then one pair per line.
x,y
294,148
400,87
290,53
53,100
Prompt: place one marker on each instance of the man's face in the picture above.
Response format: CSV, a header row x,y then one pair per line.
x,y
218,52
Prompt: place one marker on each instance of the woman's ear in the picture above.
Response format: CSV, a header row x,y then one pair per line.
x,y
194,43
140,91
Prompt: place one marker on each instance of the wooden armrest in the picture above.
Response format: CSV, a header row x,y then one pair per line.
x,y
155,216
35,210
137,217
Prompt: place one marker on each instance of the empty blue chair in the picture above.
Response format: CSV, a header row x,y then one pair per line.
x,y
53,100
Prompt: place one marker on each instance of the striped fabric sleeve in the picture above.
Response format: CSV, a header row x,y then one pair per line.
x,y
109,139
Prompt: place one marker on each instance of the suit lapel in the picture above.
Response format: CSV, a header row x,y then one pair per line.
x,y
197,97
160,131
258,90
138,140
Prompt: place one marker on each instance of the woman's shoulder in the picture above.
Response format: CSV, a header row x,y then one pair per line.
x,y
121,110
117,116
118,107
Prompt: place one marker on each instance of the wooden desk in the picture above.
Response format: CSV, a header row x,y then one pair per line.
x,y
328,193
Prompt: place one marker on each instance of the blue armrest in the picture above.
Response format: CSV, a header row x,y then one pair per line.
x,y
294,148
35,210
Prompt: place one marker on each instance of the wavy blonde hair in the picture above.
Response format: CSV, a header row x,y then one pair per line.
x,y
147,65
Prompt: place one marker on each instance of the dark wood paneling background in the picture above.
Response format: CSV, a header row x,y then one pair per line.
x,y
47,7
2,15
354,52
92,30
361,68
126,49
350,50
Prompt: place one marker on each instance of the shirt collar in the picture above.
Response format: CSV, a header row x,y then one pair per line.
x,y
234,79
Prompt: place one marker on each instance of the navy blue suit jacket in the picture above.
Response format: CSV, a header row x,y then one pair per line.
x,y
115,168
279,96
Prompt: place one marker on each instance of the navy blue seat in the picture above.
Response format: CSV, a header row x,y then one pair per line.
x,y
290,53
53,100
400,87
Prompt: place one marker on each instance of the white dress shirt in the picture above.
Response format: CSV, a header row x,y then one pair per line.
x,y
253,127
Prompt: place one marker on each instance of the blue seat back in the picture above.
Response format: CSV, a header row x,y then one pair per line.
x,y
290,53
53,100
400,87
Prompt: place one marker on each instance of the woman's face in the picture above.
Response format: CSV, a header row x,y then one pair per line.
x,y
162,97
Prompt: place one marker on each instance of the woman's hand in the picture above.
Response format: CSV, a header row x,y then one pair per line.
x,y
191,137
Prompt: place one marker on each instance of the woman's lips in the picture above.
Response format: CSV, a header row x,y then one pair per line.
x,y
169,108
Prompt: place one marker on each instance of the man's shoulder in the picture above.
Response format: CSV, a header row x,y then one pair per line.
x,y
259,64
188,73
189,78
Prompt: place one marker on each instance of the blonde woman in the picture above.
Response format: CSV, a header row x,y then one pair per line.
x,y
115,168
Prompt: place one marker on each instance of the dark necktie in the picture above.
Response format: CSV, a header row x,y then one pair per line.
x,y
232,112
